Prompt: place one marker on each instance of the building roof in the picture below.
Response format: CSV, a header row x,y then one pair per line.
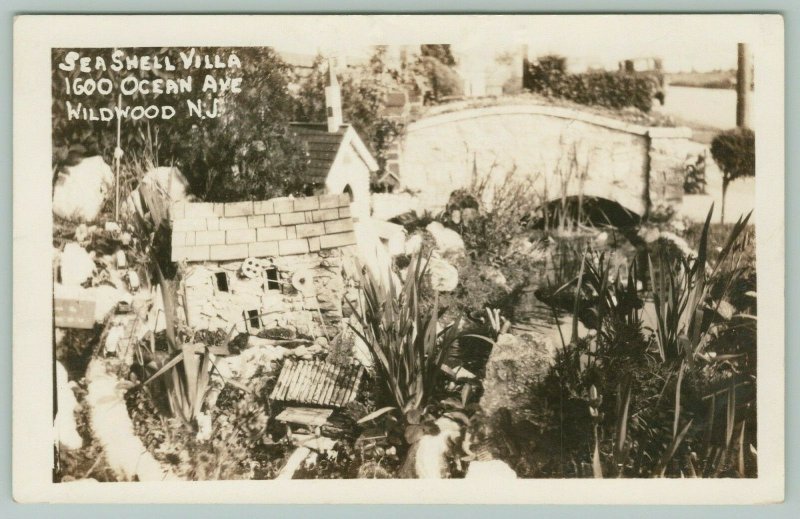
x,y
323,147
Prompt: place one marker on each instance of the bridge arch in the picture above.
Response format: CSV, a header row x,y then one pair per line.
x,y
564,151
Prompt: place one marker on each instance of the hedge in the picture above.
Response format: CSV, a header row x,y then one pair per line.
x,y
609,89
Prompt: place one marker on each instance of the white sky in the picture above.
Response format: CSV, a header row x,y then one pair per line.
x,y
683,42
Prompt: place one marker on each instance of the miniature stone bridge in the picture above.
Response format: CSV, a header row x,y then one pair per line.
x,y
566,152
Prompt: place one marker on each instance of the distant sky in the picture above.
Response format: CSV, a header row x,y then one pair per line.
x,y
683,42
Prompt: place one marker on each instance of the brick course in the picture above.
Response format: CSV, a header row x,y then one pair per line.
x,y
240,236
278,227
310,229
289,247
209,238
330,241
271,234
226,224
293,218
196,253
336,226
227,252
239,209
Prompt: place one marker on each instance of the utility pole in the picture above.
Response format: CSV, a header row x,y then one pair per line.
x,y
744,78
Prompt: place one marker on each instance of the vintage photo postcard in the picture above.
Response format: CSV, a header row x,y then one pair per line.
x,y
399,259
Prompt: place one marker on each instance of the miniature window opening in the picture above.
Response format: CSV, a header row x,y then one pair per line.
x,y
253,319
273,282
349,191
221,281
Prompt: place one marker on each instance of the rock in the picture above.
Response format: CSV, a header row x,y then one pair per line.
x,y
413,244
321,444
81,233
121,259
391,234
447,240
494,275
66,430
254,341
133,280
649,234
76,265
278,333
515,364
125,238
106,299
204,428
79,193
169,181
112,227
462,374
114,336
373,470
491,470
430,452
444,276
249,362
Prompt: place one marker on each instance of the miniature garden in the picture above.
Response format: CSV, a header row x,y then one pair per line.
x,y
507,336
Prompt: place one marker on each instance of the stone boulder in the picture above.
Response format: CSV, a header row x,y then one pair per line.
x,y
448,241
413,245
168,180
80,191
76,264
427,458
66,429
514,366
444,276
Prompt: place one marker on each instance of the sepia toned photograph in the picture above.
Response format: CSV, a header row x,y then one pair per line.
x,y
475,257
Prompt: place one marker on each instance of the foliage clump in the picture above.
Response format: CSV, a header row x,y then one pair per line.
x,y
734,151
548,76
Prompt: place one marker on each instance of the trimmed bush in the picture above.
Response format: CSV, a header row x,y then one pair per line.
x,y
615,90
734,151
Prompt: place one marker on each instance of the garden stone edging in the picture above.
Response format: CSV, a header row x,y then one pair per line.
x,y
111,424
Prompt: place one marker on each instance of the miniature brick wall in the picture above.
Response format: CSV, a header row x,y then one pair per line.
x,y
204,231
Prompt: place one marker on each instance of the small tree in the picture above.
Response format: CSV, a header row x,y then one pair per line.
x,y
245,152
735,154
364,89
441,52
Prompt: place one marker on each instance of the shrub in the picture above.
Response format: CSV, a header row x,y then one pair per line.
x,y
734,151
406,347
608,89
364,91
679,403
244,153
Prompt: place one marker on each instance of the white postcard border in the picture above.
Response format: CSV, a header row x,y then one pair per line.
x,y
34,36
